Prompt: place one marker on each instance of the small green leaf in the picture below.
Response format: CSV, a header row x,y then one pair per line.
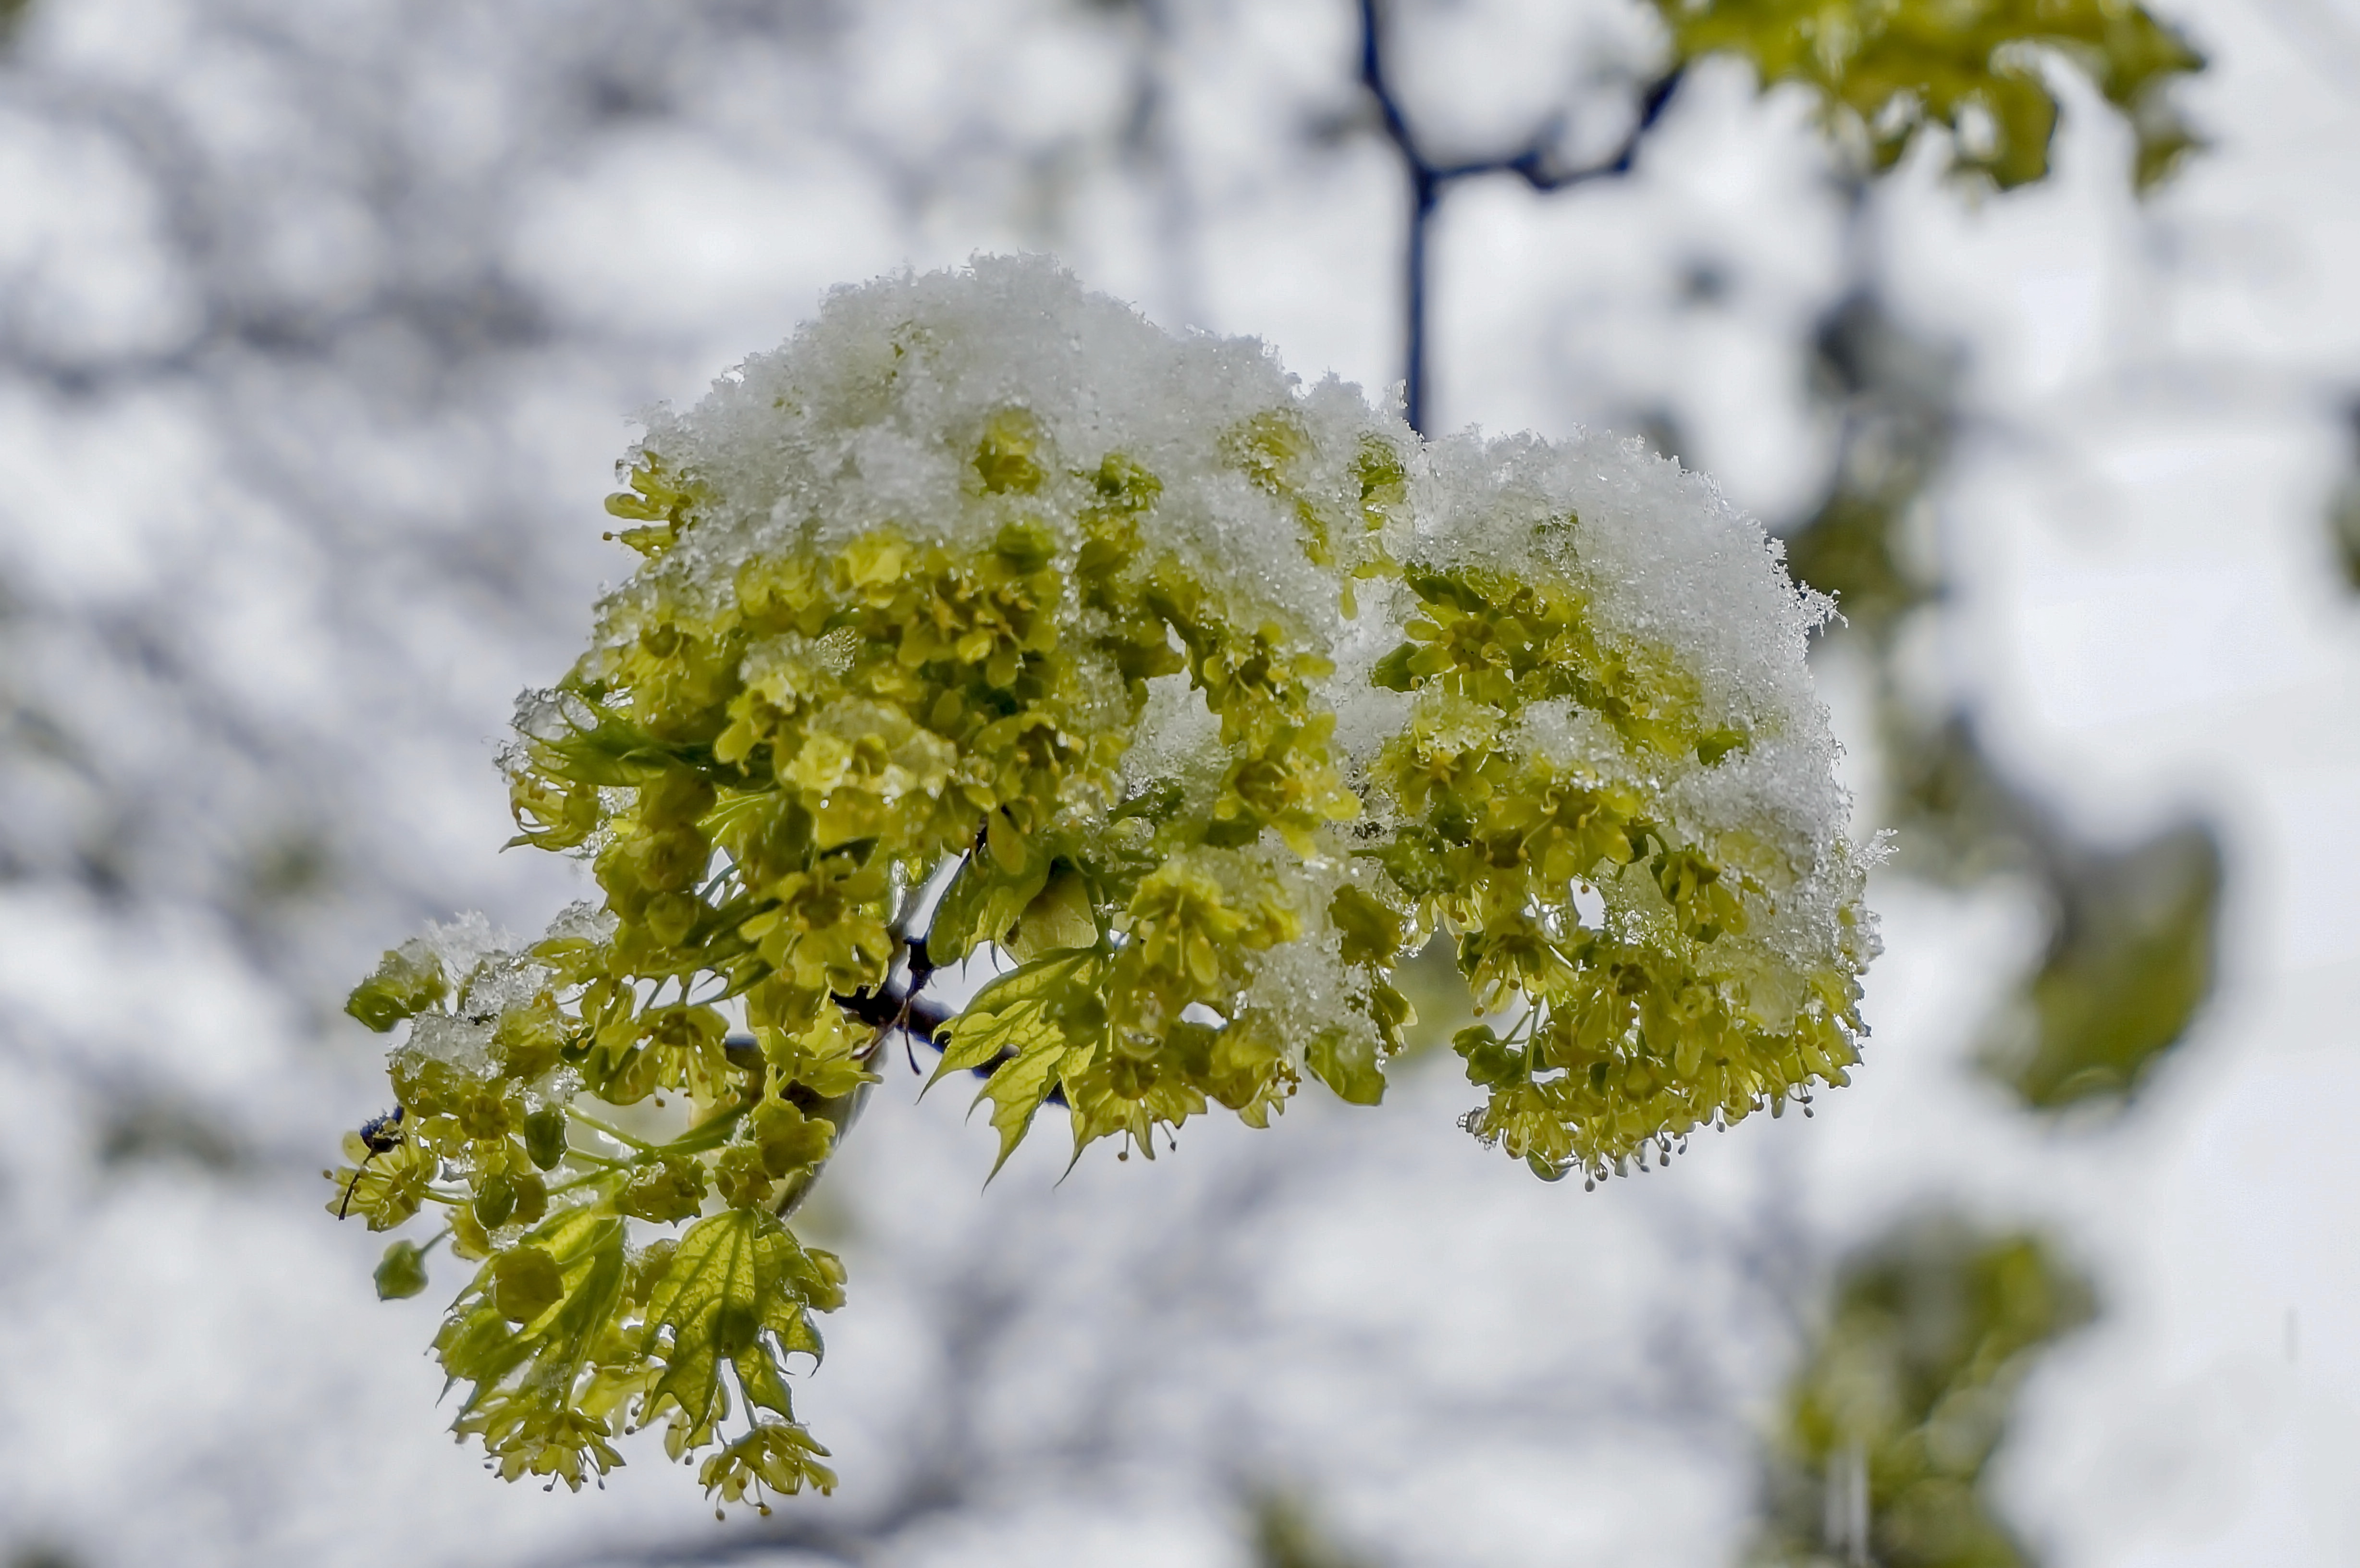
x,y
1372,931
480,1343
1017,1089
526,1282
1719,744
1045,1018
1060,916
1347,1063
1016,1012
983,900
1392,671
712,1303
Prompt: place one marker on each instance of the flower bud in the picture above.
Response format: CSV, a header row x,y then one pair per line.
x,y
401,1273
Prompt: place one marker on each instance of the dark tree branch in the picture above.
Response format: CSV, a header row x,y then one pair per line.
x,y
1535,164
891,1008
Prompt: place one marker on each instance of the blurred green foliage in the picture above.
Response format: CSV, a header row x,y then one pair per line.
x,y
1958,820
143,1129
1884,70
1284,1533
42,1554
1870,543
1891,1423
2128,959
2343,525
2344,508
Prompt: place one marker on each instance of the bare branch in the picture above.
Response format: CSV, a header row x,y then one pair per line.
x,y
1535,163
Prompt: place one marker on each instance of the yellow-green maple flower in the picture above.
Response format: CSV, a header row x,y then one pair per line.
x,y
1203,700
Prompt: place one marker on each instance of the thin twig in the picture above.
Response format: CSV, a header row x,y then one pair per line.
x,y
1535,163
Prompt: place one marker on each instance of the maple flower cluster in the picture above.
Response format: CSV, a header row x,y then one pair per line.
x,y
1195,699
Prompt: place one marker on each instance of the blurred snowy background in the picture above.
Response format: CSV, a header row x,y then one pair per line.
x,y
319,324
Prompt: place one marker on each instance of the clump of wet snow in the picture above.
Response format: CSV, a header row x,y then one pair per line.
x,y
871,417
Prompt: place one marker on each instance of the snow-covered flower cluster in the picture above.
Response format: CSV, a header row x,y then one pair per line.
x,y
1205,697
